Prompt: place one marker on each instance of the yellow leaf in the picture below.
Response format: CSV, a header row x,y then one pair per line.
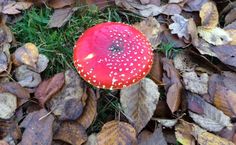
x,y
209,15
215,36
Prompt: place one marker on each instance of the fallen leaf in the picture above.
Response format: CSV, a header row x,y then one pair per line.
x,y
16,89
231,16
71,132
173,40
216,119
183,134
194,5
180,26
26,77
226,53
68,103
175,1
150,27
10,129
60,17
171,9
166,122
209,15
155,138
8,105
27,54
202,136
117,133
192,30
42,63
13,8
56,4
4,59
154,2
156,71
3,142
205,48
183,62
194,83
90,110
48,88
38,128
92,139
231,30
173,85
137,99
100,4
225,100
215,36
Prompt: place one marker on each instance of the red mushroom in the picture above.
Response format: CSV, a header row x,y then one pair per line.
x,y
113,55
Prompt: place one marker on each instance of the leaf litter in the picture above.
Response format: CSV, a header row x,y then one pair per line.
x,y
188,97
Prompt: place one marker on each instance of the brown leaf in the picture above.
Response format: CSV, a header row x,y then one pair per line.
x,y
231,16
215,36
13,8
26,77
183,134
27,54
202,136
184,62
209,15
196,83
38,128
171,9
8,105
192,30
3,142
117,133
60,17
137,99
16,89
90,110
194,5
156,71
50,87
10,129
148,138
100,4
173,85
180,26
216,119
226,53
150,27
68,103
92,139
231,30
60,3
71,132
174,40
225,100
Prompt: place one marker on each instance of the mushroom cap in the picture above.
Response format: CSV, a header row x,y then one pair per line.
x,y
113,55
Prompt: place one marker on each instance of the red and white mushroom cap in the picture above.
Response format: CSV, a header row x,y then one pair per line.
x,y
113,55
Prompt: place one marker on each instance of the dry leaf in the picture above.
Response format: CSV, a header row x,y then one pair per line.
x,y
8,104
4,58
60,3
183,62
183,134
90,110
3,142
210,118
209,15
9,129
13,8
225,100
68,103
231,29
139,102
192,30
38,128
49,87
180,26
117,133
194,5
150,27
194,83
42,63
174,40
173,85
16,89
171,9
215,36
71,132
26,77
231,16
202,136
156,71
155,138
205,48
60,17
27,54
226,53
166,122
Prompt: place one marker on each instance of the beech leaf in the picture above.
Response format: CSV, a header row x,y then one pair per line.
x,y
13,8
137,99
117,133
8,104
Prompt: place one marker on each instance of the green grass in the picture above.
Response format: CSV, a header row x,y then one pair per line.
x,y
57,44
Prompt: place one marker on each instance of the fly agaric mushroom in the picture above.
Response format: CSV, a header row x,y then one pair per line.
x,y
113,55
